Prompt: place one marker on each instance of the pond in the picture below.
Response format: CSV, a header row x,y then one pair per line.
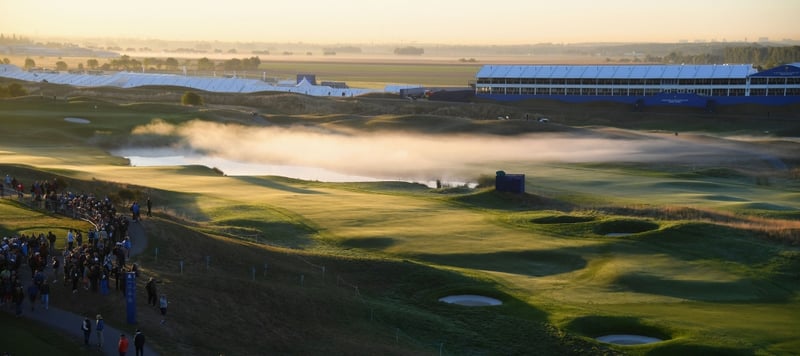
x,y
149,157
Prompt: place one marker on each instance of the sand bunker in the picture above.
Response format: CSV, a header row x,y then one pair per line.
x,y
470,300
625,339
76,120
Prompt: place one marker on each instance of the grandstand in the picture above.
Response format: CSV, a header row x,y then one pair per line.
x,y
685,85
211,84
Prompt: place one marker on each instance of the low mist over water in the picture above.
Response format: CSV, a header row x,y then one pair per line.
x,y
247,150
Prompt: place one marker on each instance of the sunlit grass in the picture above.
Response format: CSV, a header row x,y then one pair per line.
x,y
701,256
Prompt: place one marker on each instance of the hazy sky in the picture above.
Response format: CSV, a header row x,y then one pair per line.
x,y
408,21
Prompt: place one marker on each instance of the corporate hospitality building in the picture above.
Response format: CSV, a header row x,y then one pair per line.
x,y
706,85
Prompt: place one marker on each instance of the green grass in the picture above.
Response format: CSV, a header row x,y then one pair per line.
x,y
695,269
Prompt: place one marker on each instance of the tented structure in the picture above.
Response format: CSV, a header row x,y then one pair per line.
x,y
211,84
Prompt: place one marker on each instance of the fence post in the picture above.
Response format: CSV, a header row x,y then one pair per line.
x,y
181,266
265,269
254,273
302,278
156,254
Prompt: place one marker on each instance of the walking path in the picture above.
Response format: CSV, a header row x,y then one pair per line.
x,y
71,323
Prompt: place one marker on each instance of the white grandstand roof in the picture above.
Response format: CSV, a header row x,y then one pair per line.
x,y
689,71
211,84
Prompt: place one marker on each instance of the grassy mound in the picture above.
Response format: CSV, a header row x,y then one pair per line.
x,y
562,219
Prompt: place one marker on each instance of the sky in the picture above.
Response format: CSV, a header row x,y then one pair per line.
x,y
458,22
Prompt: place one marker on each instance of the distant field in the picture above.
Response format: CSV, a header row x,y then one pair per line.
x,y
359,71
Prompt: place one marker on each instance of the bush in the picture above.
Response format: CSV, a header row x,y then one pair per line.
x,y
191,98
13,90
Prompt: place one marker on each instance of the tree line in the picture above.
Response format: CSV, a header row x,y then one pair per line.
x,y
128,63
759,56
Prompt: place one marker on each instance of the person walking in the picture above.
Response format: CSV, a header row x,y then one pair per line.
x,y
122,346
33,292
138,343
163,306
99,326
152,293
44,291
18,297
149,207
70,240
56,264
86,326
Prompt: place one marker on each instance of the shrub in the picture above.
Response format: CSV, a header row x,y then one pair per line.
x,y
191,98
13,90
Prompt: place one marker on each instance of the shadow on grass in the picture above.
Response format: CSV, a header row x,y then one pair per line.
x,y
624,226
369,243
271,232
719,197
532,262
274,182
703,290
699,350
492,199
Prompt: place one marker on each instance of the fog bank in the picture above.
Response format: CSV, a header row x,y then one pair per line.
x,y
419,156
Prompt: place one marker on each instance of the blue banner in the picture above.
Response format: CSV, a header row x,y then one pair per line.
x,y
130,296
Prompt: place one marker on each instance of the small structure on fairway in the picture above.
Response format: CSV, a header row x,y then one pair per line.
x,y
511,183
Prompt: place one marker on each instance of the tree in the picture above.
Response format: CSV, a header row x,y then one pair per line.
x,y
16,89
92,63
205,64
61,66
171,63
29,63
191,98
233,64
409,50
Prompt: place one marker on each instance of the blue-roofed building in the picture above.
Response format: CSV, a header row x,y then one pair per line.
x,y
704,85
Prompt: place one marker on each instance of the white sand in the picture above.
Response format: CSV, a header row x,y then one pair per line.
x,y
76,120
470,300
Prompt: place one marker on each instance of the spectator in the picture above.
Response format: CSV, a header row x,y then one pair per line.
x,y
152,294
123,345
86,326
163,306
33,292
138,343
99,326
70,240
45,295
18,297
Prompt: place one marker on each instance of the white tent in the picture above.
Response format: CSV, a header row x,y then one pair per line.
x,y
211,84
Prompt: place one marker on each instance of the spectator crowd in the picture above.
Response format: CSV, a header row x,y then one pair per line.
x,y
93,261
